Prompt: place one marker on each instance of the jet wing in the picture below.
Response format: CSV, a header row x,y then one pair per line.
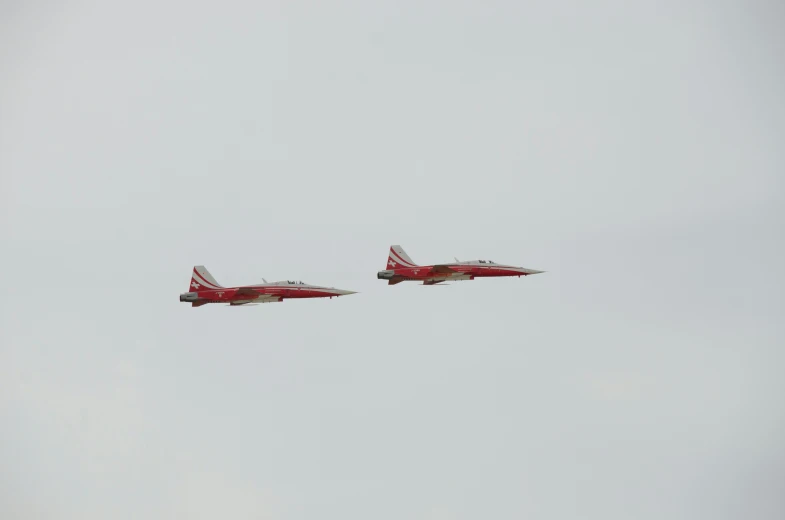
x,y
268,298
258,298
442,269
246,295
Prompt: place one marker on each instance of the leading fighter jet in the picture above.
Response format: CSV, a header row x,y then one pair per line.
x,y
204,289
401,268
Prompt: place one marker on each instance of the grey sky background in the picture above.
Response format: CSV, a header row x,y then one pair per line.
x,y
634,150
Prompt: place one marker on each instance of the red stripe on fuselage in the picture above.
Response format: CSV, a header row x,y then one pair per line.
x,y
424,271
287,292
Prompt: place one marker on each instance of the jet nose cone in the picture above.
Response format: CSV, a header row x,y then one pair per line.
x,y
341,292
529,271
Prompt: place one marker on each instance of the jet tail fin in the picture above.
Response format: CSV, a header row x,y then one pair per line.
x,y
201,279
399,258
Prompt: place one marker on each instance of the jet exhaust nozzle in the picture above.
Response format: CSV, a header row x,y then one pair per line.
x,y
385,275
189,297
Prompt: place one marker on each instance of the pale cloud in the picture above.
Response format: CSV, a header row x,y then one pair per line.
x,y
631,150
200,494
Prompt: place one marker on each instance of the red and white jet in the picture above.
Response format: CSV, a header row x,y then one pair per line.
x,y
401,268
204,289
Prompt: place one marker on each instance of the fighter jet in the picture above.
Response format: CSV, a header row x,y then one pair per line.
x,y
401,268
204,289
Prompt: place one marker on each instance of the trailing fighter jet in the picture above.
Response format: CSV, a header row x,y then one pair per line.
x,y
204,289
401,268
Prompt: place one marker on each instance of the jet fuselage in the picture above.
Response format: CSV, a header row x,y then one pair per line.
x,y
204,289
401,268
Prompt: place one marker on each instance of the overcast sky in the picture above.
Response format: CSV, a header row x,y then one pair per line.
x,y
633,150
